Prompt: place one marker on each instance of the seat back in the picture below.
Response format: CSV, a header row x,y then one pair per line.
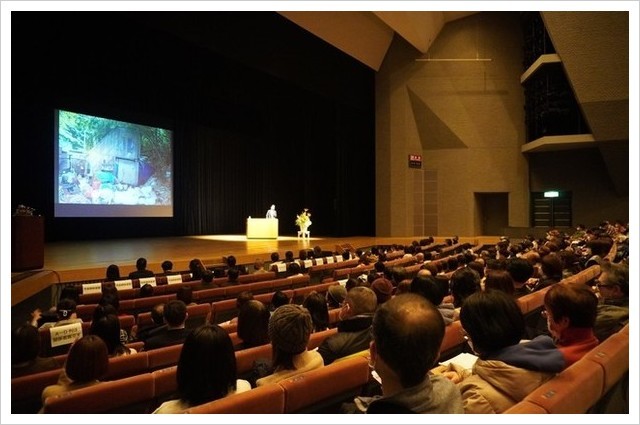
x,y
246,357
613,356
224,310
453,342
197,315
165,384
26,391
318,338
124,366
164,356
128,395
261,400
313,390
574,390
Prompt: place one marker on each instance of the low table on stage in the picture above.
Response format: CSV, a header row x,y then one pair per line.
x,y
262,228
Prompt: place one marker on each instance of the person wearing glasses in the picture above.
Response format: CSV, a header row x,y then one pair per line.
x,y
613,288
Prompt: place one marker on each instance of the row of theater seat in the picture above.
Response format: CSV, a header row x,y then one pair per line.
x,y
597,383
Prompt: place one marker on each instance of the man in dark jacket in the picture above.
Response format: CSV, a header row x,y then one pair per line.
x,y
353,329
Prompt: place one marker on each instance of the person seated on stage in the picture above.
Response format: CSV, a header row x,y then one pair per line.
x,y
354,326
271,212
167,267
206,370
289,330
175,315
25,350
141,270
113,272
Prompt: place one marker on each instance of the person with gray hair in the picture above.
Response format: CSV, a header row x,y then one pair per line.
x,y
613,289
354,326
407,334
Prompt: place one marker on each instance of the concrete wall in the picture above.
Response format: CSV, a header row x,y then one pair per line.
x,y
466,118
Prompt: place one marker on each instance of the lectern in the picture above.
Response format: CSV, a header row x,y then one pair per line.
x,y
27,242
262,228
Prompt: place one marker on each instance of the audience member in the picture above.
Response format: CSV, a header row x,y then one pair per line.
x,y
521,271
289,331
157,316
197,269
113,272
499,280
141,270
613,311
278,299
253,325
407,334
293,269
167,267
146,290
336,295
383,289
87,361
316,303
66,312
185,294
354,326
258,266
175,315
108,329
25,350
206,370
430,290
571,312
506,370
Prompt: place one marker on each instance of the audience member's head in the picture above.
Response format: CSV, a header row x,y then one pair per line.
x,y
141,264
167,266
146,290
242,298
253,324
428,288
88,359
336,295
293,269
288,256
175,313
613,282
25,344
197,269
499,280
66,309
258,265
71,292
113,272
407,334
207,366
464,282
552,267
233,274
520,270
359,300
231,261
570,306
493,320
185,294
316,303
289,331
157,314
278,299
351,283
275,257
108,328
383,289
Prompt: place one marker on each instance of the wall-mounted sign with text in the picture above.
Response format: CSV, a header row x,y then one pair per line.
x,y
415,161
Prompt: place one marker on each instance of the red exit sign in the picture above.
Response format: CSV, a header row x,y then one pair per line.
x,y
415,161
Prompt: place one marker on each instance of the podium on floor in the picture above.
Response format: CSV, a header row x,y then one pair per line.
x,y
27,242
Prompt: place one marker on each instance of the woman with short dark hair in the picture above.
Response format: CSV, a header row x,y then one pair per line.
x,y
206,370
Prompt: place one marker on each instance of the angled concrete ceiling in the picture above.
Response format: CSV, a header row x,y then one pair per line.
x,y
594,49
366,36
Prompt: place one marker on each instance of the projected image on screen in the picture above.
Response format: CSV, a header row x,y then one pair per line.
x,y
109,168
